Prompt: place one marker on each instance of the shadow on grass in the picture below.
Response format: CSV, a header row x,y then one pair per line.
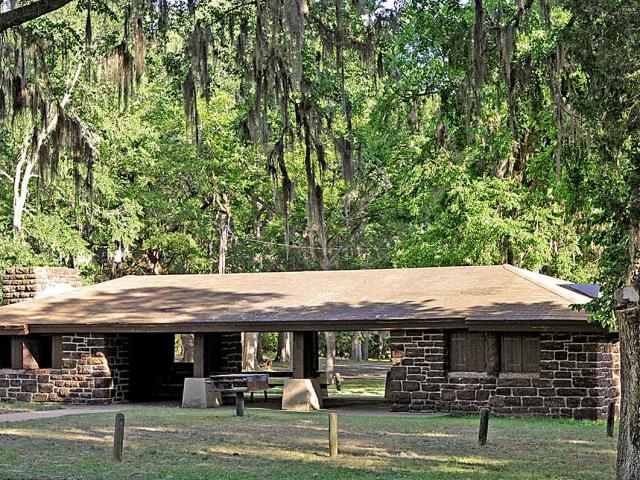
x,y
165,443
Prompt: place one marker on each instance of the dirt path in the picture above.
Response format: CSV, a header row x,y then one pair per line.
x,y
71,410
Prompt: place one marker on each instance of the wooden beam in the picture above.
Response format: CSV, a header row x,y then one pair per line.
x,y
56,352
199,355
298,355
17,345
312,325
10,330
492,343
214,326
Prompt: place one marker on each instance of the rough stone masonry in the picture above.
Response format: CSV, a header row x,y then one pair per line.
x,y
94,370
578,376
94,367
20,284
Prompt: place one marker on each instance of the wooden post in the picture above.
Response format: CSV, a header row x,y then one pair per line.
x,y
239,404
611,418
311,354
17,355
484,426
198,355
493,354
333,434
118,437
298,355
56,352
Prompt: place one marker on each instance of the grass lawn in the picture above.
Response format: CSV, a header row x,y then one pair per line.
x,y
359,386
350,387
171,443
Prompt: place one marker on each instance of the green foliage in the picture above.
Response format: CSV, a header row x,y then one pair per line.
x,y
534,166
52,238
488,221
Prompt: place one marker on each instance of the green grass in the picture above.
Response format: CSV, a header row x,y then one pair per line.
x,y
171,443
17,407
359,386
350,387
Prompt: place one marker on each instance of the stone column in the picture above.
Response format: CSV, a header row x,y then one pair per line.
x,y
300,393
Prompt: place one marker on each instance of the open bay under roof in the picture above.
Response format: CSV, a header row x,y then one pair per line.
x,y
498,297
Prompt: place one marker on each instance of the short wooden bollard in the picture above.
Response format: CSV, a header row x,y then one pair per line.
x,y
333,434
239,404
118,437
484,426
611,418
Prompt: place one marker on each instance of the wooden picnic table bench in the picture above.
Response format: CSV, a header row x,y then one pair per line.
x,y
279,374
239,383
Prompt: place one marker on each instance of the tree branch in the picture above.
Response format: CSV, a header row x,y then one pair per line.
x,y
33,10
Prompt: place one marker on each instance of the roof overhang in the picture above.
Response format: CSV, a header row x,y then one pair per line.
x,y
487,298
310,325
14,330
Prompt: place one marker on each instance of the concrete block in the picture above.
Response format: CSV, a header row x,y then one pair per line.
x,y
198,394
319,385
300,395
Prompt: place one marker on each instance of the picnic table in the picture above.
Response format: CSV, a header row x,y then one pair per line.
x,y
239,383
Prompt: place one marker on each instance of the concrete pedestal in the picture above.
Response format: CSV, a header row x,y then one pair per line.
x,y
321,390
198,394
300,395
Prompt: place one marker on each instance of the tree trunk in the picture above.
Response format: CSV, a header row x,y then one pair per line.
x,y
187,347
249,351
224,242
380,345
284,347
628,464
30,11
257,232
356,346
21,185
628,318
330,340
29,155
259,357
365,347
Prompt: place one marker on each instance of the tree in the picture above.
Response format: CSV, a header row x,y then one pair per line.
x,y
37,142
600,41
25,13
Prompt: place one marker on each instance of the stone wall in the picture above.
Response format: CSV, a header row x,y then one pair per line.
x,y
22,283
230,353
579,375
94,370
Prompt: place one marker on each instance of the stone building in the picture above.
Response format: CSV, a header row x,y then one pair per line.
x,y
461,337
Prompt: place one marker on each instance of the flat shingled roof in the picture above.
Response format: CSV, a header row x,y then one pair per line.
x,y
500,297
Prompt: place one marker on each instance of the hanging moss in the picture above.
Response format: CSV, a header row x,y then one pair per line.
x,y
88,28
190,101
200,42
139,59
477,53
122,70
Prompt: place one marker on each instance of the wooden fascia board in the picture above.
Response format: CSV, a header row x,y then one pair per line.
x,y
254,326
14,330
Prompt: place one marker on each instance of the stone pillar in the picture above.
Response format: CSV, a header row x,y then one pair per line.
x,y
216,353
304,358
94,370
300,393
